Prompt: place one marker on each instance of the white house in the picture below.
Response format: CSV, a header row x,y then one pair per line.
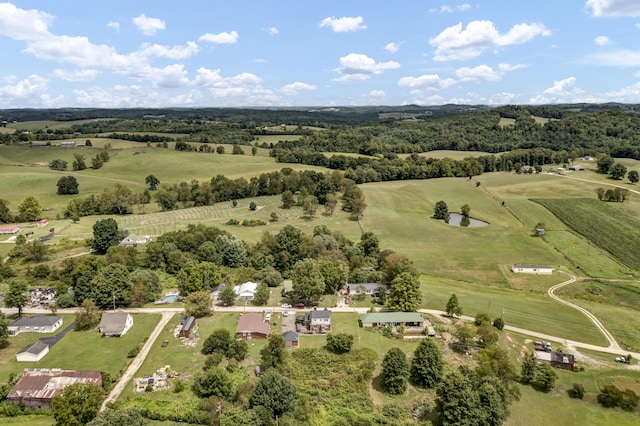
x,y
33,352
115,323
318,321
532,269
37,324
246,291
133,240
9,229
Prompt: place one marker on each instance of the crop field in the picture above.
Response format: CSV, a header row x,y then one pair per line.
x,y
601,224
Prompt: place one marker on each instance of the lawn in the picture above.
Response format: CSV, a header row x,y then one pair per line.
x,y
81,350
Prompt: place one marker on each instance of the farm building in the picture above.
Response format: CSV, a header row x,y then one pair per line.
x,y
318,321
9,229
215,292
410,320
68,144
42,222
47,237
575,168
251,326
33,352
115,323
188,326
532,269
133,240
37,324
291,339
557,359
37,387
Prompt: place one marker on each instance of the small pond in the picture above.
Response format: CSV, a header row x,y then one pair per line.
x,y
170,298
456,219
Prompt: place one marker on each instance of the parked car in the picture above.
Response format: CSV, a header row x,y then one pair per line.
x,y
286,305
165,343
622,359
299,306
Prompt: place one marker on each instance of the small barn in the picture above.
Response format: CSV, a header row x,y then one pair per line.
x,y
188,326
291,339
38,386
33,352
532,269
9,229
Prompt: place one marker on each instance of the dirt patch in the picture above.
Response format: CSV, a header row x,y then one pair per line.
x,y
41,164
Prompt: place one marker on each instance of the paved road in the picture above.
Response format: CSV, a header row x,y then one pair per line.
x,y
137,361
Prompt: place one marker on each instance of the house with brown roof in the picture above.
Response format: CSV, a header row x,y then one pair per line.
x,y
37,387
115,323
251,326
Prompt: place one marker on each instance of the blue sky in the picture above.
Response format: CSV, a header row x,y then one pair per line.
x,y
127,54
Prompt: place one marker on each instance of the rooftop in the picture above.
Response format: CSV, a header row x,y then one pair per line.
x,y
37,321
391,317
46,383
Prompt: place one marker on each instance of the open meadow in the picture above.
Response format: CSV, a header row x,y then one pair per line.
x,y
473,262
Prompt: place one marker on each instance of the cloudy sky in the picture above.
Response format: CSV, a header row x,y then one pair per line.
x,y
197,53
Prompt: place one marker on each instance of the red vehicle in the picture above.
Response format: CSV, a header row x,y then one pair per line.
x,y
165,343
299,306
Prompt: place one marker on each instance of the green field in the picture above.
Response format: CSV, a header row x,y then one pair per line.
x,y
80,350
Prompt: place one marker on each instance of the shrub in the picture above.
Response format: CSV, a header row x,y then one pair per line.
x,y
252,206
339,343
577,391
498,323
233,221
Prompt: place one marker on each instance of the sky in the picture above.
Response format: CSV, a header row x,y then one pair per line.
x,y
244,53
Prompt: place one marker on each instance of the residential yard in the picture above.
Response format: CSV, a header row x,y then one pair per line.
x,y
80,350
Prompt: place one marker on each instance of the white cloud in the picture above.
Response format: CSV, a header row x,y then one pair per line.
x,y
629,94
563,91
463,7
456,43
483,73
174,52
148,26
356,66
293,88
272,30
503,98
450,9
260,60
344,24
377,94
616,58
479,73
114,25
221,38
614,7
20,24
77,75
25,93
392,47
602,41
429,81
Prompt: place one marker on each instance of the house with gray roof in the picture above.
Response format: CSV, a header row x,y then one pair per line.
x,y
291,339
36,324
115,323
33,352
409,320
318,321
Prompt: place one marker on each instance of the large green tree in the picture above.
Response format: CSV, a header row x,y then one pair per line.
x,y
215,381
453,306
105,235
634,176
87,316
273,354
395,372
77,404
30,209
308,283
441,211
405,293
218,341
198,304
152,181
67,185
16,297
274,392
427,364
457,401
618,171
353,201
111,286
